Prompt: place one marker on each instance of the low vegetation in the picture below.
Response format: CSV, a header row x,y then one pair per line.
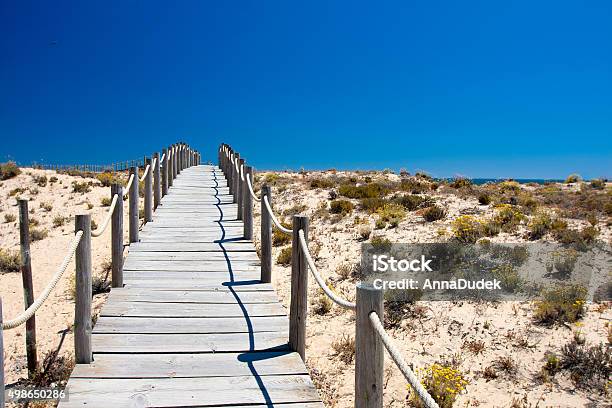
x,y
9,170
10,261
344,348
564,303
443,382
284,257
342,207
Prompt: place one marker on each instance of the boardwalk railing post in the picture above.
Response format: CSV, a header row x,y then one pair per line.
x,y
240,189
1,360
230,173
266,236
178,158
156,181
247,205
170,166
133,204
235,177
369,353
164,182
28,288
82,310
299,289
148,193
117,237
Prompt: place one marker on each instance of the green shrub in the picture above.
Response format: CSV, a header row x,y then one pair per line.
x,y
589,366
15,191
59,220
82,187
41,181
106,201
460,182
107,178
484,199
539,225
10,218
363,191
10,261
598,184
467,229
413,202
53,179
380,223
392,213
322,305
414,186
508,217
372,204
46,206
321,183
284,257
280,238
94,225
490,228
564,261
563,303
380,243
9,170
38,234
342,207
443,382
573,178
509,278
434,213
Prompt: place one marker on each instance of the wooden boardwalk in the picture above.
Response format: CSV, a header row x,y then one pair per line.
x,y
193,326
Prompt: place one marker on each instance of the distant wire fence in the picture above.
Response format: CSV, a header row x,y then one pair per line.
x,y
370,336
92,168
158,176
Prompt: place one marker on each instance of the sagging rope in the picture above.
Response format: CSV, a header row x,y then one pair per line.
x,y
242,172
129,183
401,363
29,312
248,180
108,217
274,219
313,268
144,175
162,158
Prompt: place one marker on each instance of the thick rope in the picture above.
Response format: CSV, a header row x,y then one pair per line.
x,y
144,175
248,180
154,162
162,158
109,215
313,268
274,219
129,183
29,312
242,172
401,363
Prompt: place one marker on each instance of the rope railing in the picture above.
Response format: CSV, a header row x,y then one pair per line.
x,y
313,269
129,183
369,384
273,217
146,172
109,215
29,312
400,362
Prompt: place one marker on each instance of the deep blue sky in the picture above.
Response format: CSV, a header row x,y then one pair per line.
x,y
483,89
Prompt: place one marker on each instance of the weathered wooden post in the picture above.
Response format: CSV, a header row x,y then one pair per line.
x,y
148,193
164,183
117,237
82,304
247,204
230,172
28,288
179,158
1,359
266,236
133,204
156,181
170,166
299,289
235,176
240,189
369,353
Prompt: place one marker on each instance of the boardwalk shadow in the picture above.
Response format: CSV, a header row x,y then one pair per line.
x,y
249,357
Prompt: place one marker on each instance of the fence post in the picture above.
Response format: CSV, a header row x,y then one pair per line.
x,y
133,204
82,309
235,177
164,183
369,353
156,181
170,155
247,205
178,158
148,193
117,236
1,360
240,189
266,236
299,289
28,289
230,172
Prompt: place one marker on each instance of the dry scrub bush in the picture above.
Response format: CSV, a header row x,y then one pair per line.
x,y
564,303
342,207
38,234
442,382
322,304
344,348
434,213
467,229
9,170
80,187
284,257
106,201
46,206
10,218
10,261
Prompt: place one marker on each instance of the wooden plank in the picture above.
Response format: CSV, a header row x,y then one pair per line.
x,y
189,296
173,284
190,392
196,325
194,256
192,266
191,247
179,310
188,343
190,365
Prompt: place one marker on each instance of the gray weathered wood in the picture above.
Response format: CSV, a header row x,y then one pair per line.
x,y
148,192
179,310
117,237
299,289
240,190
156,181
133,204
247,208
28,289
235,177
83,291
369,353
164,182
266,236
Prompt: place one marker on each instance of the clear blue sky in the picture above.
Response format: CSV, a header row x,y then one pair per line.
x,y
483,89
